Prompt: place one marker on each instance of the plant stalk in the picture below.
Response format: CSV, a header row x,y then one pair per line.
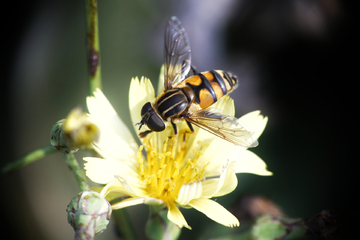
x,y
27,159
92,45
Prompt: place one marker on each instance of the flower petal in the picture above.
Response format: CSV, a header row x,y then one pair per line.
x,y
114,190
176,216
228,180
226,105
133,185
188,192
128,202
225,184
111,145
103,115
249,162
161,80
210,187
104,171
255,122
140,93
215,211
217,153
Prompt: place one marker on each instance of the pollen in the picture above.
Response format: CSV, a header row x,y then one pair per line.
x,y
165,172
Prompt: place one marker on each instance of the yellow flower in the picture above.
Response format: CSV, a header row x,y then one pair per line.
x,y
178,171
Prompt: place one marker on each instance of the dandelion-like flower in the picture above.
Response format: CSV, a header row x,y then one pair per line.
x,y
186,170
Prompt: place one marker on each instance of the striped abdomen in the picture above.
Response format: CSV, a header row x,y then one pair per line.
x,y
211,86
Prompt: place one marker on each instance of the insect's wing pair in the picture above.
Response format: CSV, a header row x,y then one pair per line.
x,y
228,128
177,54
177,66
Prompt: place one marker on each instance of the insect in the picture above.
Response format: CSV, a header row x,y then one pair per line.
x,y
190,98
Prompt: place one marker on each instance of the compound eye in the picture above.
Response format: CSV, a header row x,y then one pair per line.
x,y
155,123
151,118
146,108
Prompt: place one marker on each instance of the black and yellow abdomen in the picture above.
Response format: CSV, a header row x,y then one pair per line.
x,y
210,86
204,88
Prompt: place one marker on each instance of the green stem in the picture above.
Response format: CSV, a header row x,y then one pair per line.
x,y
159,226
92,44
124,225
27,159
78,172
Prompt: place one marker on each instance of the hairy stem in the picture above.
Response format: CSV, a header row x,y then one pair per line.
x,y
78,172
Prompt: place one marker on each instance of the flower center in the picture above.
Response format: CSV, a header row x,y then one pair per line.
x,y
165,172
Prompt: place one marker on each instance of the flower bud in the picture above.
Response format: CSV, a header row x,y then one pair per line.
x,y
269,227
58,140
79,131
74,132
89,214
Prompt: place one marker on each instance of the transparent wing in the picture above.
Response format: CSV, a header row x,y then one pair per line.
x,y
226,127
177,53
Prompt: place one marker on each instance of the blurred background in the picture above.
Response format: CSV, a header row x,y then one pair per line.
x,y
293,62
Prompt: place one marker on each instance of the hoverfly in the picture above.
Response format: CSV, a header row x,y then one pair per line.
x,y
190,98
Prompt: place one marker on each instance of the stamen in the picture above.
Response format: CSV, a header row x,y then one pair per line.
x,y
149,184
202,171
161,158
173,152
141,162
169,187
198,154
176,170
159,175
165,172
188,166
165,145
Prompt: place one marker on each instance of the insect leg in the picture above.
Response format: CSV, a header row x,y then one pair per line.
x,y
175,128
143,134
190,126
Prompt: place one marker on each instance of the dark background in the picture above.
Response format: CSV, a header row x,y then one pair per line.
x,y
294,60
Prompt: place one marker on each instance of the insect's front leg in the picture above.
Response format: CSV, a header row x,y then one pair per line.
x,y
143,134
175,128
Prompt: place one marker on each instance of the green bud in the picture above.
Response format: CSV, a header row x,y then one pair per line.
x,y
74,132
89,214
268,227
58,140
